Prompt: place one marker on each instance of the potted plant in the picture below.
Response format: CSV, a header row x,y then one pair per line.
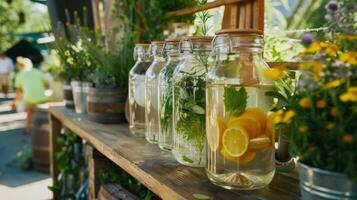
x,y
62,47
107,96
321,116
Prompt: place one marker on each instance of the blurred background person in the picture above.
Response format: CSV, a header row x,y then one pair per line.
x,y
6,67
30,84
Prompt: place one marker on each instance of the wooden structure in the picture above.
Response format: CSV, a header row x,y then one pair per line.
x,y
153,167
238,14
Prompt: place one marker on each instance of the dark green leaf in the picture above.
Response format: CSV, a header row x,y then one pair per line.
x,y
235,101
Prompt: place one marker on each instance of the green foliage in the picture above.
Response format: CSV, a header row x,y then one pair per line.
x,y
203,17
166,99
154,17
190,102
35,21
235,101
278,48
128,182
77,62
71,165
52,64
9,23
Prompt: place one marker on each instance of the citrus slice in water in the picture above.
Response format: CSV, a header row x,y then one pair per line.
x,y
235,141
258,114
214,136
245,158
259,143
249,124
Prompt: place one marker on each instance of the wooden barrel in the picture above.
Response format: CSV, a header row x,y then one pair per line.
x,y
106,105
40,139
68,96
114,191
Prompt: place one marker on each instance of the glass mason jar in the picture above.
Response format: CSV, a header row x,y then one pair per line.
x,y
240,129
137,89
172,52
189,92
151,92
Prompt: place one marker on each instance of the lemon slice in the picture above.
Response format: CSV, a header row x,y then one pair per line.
x,y
259,143
245,158
235,141
257,113
249,124
214,135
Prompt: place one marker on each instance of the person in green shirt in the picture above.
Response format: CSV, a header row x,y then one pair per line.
x,y
31,85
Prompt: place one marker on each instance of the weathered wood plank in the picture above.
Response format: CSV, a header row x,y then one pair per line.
x,y
157,169
55,131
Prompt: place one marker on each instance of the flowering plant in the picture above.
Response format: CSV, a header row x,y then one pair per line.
x,y
322,128
320,114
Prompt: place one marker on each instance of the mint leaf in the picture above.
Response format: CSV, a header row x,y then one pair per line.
x,y
202,197
187,159
235,101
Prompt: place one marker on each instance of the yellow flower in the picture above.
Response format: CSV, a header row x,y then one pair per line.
x,y
349,57
321,104
305,102
278,116
348,138
334,83
313,48
352,89
303,129
330,125
288,116
349,95
334,112
346,37
332,49
274,73
316,68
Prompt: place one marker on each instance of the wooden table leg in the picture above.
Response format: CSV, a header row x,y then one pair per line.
x,y
96,162
55,131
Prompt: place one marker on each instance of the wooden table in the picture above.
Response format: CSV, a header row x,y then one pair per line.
x,y
156,169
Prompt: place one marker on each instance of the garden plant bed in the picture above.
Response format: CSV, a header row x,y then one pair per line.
x,y
153,167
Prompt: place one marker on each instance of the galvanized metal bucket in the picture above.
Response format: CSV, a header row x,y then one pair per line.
x,y
318,184
80,91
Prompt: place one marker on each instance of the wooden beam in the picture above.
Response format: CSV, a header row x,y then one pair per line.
x,y
210,5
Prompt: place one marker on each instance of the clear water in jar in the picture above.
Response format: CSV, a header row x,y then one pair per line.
x,y
137,104
151,112
165,133
240,145
189,125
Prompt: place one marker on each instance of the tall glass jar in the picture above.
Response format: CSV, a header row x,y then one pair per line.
x,y
172,52
151,92
137,89
189,93
240,129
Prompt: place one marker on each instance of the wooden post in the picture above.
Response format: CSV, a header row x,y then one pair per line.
x,y
55,131
96,162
